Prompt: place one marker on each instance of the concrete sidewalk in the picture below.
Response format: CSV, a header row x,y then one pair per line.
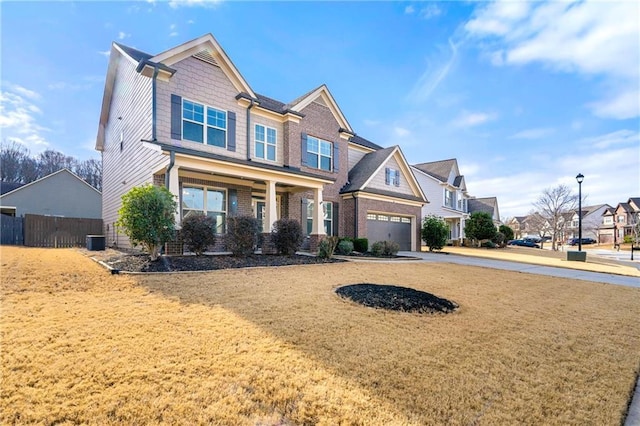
x,y
551,271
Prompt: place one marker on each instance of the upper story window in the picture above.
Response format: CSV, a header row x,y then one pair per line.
x,y
621,218
319,153
265,142
607,220
392,177
196,118
210,201
574,223
462,204
449,199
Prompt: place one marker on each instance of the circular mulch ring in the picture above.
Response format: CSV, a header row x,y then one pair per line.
x,y
396,298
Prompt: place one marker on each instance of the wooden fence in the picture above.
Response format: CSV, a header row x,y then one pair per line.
x,y
11,230
57,232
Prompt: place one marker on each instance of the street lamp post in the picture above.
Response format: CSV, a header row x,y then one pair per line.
x,y
580,178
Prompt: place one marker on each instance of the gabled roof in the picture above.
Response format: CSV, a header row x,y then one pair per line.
x,y
361,174
625,206
438,169
634,200
487,205
608,211
321,92
36,182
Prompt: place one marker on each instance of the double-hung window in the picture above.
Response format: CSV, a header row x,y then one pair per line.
x,y
196,118
265,142
327,207
448,198
319,153
209,201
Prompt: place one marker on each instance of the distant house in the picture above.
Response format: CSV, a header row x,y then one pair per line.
x,y
591,222
517,225
486,205
446,190
625,216
607,231
59,194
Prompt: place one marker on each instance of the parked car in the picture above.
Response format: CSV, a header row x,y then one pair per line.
x,y
524,243
574,241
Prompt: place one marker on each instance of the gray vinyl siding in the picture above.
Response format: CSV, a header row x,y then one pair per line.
x,y
434,191
59,194
134,165
355,155
379,180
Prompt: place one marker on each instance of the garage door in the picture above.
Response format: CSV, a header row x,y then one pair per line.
x,y
381,227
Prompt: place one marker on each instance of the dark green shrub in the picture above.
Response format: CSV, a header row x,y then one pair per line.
x,y
326,247
242,235
628,239
287,236
197,232
488,244
499,239
507,231
480,226
345,247
361,245
385,248
434,232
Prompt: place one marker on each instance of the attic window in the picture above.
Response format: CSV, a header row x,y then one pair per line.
x,y
206,56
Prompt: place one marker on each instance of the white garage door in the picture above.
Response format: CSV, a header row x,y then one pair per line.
x,y
382,227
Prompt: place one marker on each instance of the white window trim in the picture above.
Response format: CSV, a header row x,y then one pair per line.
x,y
204,201
265,142
204,124
324,214
317,166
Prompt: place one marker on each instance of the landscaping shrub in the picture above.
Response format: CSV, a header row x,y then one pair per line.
x,y
197,232
361,245
488,244
434,232
345,247
147,217
480,226
326,247
242,235
385,248
499,239
628,239
507,231
287,236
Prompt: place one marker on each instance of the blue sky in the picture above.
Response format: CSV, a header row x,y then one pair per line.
x,y
525,95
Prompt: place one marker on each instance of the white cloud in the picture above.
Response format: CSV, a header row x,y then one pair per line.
x,y
587,37
468,169
190,21
433,76
369,122
401,131
620,137
172,26
537,133
431,11
122,35
105,53
18,117
470,119
409,10
173,34
190,3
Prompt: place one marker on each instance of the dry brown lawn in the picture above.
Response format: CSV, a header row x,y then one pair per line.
x,y
270,346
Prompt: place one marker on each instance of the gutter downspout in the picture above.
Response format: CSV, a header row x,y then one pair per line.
x,y
249,130
172,161
153,105
355,215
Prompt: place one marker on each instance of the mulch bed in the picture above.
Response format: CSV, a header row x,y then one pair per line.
x,y
142,263
396,298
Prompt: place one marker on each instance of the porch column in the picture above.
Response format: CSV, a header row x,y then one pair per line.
x,y
318,213
271,212
174,188
461,229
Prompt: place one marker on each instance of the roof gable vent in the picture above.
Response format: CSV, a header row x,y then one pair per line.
x,y
206,56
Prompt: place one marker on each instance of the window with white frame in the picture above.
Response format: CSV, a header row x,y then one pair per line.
x,y
607,220
210,201
204,124
621,218
392,177
327,208
319,153
265,138
449,198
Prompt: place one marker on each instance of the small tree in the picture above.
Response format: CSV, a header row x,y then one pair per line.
x,y
287,236
147,217
434,232
480,226
507,231
197,232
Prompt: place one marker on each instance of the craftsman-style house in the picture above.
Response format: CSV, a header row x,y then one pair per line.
x,y
187,119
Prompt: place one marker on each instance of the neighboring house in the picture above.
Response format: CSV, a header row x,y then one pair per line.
x,y
486,205
517,225
626,216
187,119
607,232
59,194
591,222
446,190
